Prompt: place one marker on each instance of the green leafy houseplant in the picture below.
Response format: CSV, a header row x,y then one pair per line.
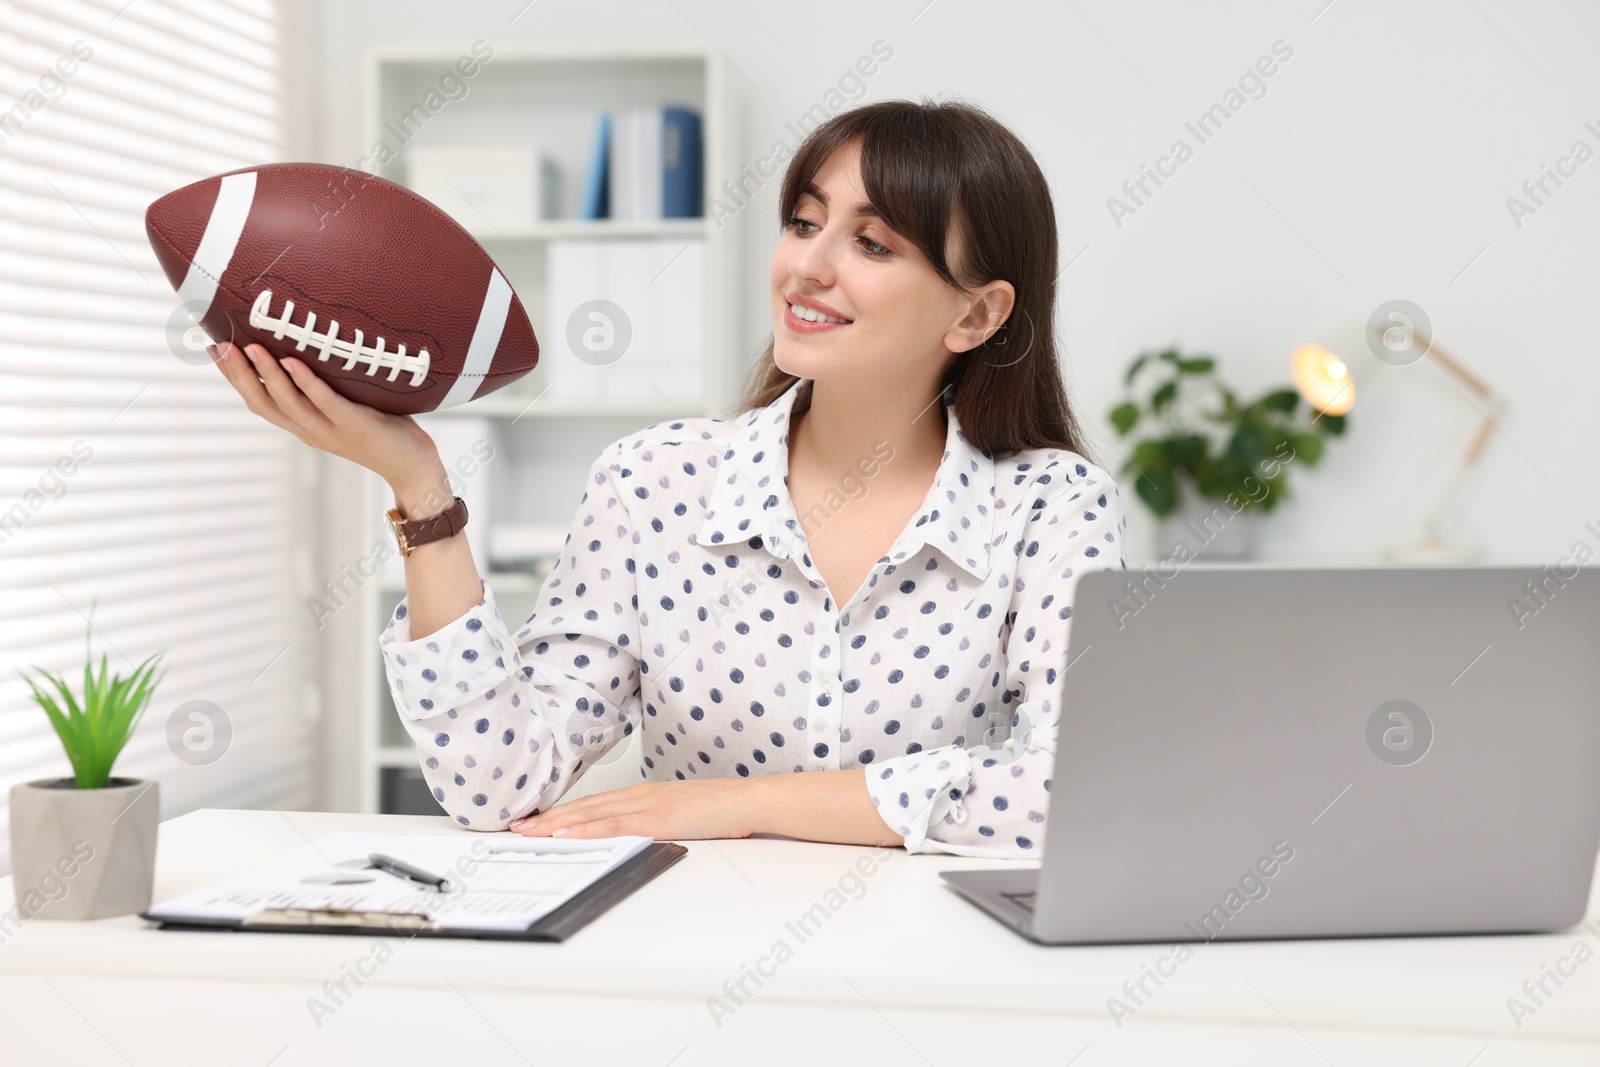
x,y
1226,449
94,731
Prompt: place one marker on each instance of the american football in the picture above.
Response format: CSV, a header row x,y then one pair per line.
x,y
381,294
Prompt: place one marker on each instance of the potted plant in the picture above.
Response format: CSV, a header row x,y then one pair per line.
x,y
1209,463
84,847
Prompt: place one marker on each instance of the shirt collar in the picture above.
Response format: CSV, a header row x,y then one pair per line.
x,y
750,497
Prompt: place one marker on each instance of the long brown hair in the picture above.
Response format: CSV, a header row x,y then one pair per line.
x,y
925,167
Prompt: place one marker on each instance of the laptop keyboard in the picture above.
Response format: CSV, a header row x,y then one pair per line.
x,y
1022,900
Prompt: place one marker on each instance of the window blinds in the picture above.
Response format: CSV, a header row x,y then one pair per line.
x,y
130,475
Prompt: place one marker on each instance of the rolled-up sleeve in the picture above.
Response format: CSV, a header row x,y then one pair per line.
x,y
979,800
505,724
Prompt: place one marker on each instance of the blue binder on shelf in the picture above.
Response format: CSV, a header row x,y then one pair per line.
x,y
681,163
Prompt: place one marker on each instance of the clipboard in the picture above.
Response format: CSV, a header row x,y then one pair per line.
x,y
558,925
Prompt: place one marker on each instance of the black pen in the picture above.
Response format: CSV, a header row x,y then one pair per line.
x,y
402,869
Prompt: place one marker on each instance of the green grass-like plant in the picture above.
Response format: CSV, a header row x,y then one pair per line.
x,y
95,731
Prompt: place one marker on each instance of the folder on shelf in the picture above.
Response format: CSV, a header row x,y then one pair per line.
x,y
680,282
624,162
596,202
573,341
656,164
681,166
502,887
627,270
659,286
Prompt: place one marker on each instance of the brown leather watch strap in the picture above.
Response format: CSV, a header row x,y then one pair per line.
x,y
410,534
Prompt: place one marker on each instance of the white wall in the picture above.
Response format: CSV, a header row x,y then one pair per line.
x,y
1377,165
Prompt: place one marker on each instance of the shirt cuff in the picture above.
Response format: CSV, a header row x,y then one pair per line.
x,y
920,790
457,663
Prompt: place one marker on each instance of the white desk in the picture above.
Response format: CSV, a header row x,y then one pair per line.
x,y
903,972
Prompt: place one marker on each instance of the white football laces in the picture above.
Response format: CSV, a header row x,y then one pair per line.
x,y
329,345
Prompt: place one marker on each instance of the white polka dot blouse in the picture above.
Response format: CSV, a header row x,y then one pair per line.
x,y
685,618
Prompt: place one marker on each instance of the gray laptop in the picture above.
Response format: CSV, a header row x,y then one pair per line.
x,y
1263,752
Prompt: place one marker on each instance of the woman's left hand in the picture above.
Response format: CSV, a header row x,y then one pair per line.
x,y
666,811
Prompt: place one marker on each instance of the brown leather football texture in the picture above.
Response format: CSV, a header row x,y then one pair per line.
x,y
379,292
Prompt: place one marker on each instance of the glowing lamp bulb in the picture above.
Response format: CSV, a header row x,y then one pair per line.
x,y
1323,379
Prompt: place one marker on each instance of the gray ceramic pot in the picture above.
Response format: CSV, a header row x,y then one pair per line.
x,y
83,853
1209,528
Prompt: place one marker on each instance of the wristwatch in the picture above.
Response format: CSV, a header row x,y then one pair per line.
x,y
447,523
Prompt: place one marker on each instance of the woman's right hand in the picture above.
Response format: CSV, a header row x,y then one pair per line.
x,y
291,397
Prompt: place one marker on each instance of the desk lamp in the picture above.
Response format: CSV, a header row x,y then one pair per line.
x,y
1324,380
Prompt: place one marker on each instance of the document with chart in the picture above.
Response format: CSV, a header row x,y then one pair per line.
x,y
494,883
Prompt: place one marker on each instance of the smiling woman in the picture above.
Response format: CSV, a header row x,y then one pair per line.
x,y
907,647
942,219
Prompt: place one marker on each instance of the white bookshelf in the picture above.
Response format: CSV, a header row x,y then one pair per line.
x,y
550,97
